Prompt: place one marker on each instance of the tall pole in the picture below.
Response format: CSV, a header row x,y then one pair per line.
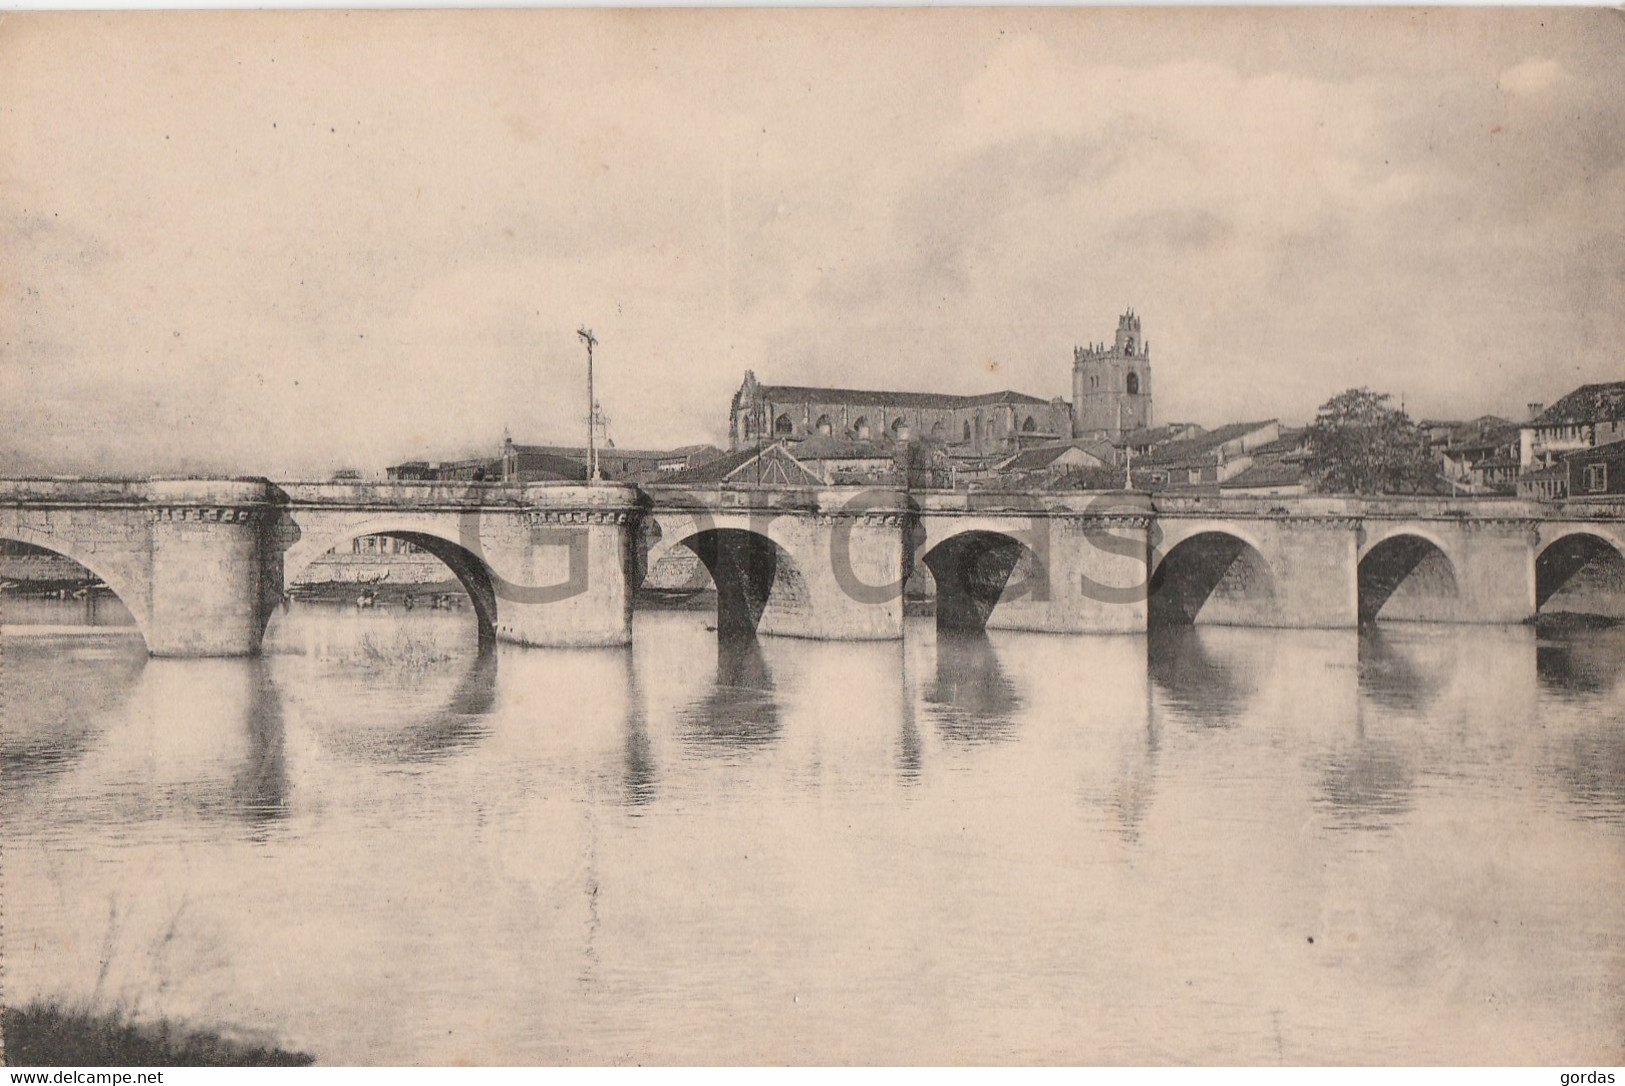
x,y
592,408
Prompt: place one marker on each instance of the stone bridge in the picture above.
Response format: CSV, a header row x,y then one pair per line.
x,y
201,564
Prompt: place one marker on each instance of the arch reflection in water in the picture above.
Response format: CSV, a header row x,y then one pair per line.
x,y
1367,784
1590,767
740,712
971,697
384,688
1405,670
58,693
1201,684
1576,661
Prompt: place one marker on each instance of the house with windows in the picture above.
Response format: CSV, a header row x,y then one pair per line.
x,y
1596,473
1479,456
1590,416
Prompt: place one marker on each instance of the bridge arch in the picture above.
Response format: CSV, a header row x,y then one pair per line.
x,y
974,568
1407,575
125,584
1583,559
1215,576
470,569
751,562
753,574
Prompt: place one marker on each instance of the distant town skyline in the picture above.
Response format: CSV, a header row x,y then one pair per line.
x,y
287,243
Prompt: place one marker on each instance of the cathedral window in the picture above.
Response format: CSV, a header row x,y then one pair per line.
x,y
783,425
1133,384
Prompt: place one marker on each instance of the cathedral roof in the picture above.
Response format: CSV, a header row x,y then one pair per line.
x,y
786,394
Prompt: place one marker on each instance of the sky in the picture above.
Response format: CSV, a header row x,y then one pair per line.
x,y
285,243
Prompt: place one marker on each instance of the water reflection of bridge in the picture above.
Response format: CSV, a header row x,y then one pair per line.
x,y
1391,716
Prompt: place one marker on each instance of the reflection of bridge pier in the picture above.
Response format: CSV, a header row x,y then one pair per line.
x,y
741,711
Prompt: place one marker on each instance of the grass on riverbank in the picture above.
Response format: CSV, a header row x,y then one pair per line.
x,y
51,1035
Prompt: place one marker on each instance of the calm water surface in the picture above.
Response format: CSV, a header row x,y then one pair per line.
x,y
1222,846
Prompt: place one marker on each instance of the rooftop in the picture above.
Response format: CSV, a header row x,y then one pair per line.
x,y
1202,445
1266,473
1588,403
779,467
811,394
1045,455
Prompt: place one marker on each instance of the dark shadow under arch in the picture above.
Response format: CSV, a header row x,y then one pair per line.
x,y
1206,567
746,567
1410,568
1579,556
972,571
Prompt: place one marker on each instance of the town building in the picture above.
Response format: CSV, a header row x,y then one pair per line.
x,y
1479,456
1597,472
556,464
1139,443
1053,461
1589,416
1207,460
532,463
771,465
1591,474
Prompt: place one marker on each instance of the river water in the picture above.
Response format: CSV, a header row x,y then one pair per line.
x,y
1224,845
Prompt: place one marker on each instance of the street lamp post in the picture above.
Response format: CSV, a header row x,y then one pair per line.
x,y
592,408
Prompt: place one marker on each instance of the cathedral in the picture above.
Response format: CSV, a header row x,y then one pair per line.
x,y
1111,384
1111,395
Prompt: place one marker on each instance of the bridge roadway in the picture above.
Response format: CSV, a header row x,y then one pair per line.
x,y
201,563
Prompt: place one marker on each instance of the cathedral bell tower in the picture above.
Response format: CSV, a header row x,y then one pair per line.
x,y
1111,383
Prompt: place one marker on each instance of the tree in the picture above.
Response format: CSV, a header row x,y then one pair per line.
x,y
1359,444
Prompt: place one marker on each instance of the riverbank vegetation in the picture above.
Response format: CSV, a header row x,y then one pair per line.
x,y
53,1035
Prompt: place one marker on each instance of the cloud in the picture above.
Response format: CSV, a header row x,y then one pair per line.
x,y
354,240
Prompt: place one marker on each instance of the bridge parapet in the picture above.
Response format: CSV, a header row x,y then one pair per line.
x,y
459,495
822,501
23,493
993,503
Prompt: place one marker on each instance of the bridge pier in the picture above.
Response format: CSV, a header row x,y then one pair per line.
x,y
215,570
1496,574
563,577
